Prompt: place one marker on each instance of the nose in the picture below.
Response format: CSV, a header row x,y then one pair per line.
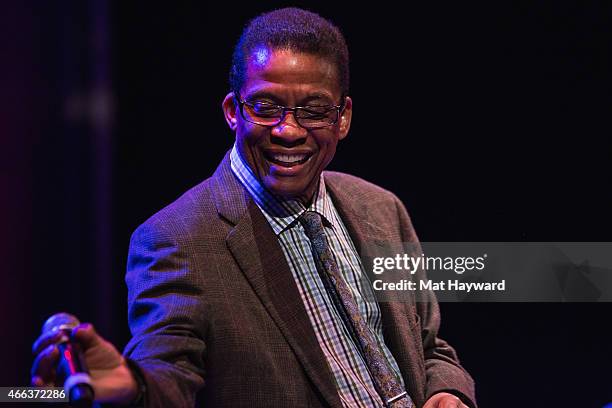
x,y
288,132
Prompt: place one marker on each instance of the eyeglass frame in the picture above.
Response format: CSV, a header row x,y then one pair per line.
x,y
284,109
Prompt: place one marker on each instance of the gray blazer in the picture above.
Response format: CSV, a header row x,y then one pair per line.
x,y
217,319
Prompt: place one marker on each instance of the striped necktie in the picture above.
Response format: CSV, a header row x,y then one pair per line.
x,y
385,380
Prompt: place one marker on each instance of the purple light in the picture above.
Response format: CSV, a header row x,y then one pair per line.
x,y
261,55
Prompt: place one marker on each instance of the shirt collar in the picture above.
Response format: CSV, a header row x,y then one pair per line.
x,y
280,213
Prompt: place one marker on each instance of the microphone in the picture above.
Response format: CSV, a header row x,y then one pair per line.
x,y
71,369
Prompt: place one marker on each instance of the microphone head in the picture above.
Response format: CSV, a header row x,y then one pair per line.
x,y
60,321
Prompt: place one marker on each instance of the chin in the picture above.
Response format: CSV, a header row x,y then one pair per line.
x,y
286,191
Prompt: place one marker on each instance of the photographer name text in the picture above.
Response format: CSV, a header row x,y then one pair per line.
x,y
448,285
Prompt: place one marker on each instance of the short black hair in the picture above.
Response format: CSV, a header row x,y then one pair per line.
x,y
292,29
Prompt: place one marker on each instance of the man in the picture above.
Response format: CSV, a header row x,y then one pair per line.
x,y
248,290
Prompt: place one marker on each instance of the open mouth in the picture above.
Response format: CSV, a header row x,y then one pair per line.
x,y
287,160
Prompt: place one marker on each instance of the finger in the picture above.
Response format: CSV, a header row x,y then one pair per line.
x,y
450,402
44,364
430,404
47,339
86,335
37,381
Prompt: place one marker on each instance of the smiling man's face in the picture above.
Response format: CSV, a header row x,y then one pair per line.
x,y
287,158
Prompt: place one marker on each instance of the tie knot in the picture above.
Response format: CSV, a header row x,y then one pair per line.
x,y
313,225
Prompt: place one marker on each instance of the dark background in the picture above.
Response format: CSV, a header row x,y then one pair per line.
x,y
490,120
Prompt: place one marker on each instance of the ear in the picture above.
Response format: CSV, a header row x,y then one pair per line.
x,y
230,111
345,118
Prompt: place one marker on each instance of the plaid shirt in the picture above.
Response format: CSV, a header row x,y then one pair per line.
x,y
354,383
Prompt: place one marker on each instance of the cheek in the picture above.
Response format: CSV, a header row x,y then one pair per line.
x,y
327,146
248,136
247,140
245,134
329,154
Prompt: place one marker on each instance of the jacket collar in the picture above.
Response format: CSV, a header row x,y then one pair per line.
x,y
280,213
232,201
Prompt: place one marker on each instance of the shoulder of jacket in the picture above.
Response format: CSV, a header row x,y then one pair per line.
x,y
356,186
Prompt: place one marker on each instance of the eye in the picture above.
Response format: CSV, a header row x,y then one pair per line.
x,y
265,109
315,112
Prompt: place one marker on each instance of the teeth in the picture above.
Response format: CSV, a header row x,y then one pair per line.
x,y
289,158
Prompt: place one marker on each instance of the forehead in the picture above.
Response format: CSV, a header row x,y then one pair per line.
x,y
286,71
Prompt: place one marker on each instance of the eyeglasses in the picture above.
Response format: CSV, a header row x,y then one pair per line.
x,y
309,117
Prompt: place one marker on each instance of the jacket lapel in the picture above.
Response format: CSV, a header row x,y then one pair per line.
x,y
354,215
401,329
259,255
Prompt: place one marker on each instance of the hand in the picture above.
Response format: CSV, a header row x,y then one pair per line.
x,y
111,377
444,400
